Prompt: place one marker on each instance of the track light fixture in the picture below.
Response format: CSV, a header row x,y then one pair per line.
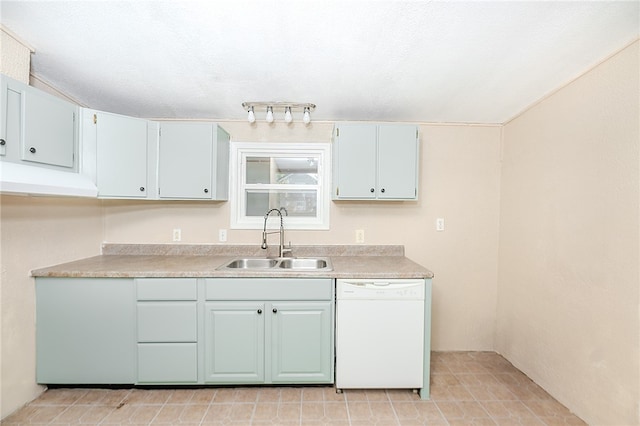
x,y
287,107
307,116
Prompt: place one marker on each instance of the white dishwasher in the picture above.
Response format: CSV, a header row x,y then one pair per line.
x,y
379,333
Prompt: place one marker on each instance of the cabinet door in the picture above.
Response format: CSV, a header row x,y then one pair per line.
x,y
185,160
234,342
397,162
121,151
301,342
85,330
49,129
355,162
11,121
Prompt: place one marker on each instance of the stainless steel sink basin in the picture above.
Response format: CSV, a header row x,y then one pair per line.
x,y
252,263
303,263
284,264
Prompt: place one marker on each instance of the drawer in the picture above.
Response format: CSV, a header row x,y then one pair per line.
x,y
167,322
269,288
167,363
166,289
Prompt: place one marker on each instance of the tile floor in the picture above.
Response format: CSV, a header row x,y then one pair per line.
x,y
467,388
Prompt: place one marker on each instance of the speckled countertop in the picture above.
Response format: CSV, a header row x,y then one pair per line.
x,y
202,260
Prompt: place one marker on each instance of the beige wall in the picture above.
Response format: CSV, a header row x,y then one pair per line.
x,y
569,289
459,180
35,232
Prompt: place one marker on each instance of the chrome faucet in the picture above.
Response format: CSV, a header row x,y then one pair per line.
x,y
282,250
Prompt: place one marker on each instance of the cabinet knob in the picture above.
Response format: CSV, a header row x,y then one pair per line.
x,y
275,310
259,311
3,142
382,190
206,191
32,150
142,189
372,190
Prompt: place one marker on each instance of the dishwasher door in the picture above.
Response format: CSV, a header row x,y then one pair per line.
x,y
379,334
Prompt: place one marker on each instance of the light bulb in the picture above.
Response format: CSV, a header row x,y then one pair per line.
x,y
287,115
269,114
307,116
251,117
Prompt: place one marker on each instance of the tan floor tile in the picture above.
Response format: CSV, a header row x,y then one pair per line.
x,y
331,394
336,411
312,411
62,396
429,411
269,394
289,412
249,394
144,414
382,410
181,396
193,413
291,394
218,413
313,394
206,395
241,412
376,395
359,410
355,394
402,395
265,412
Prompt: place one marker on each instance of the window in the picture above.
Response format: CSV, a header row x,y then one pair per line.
x,y
274,175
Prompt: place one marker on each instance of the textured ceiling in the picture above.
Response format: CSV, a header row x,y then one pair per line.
x,y
425,61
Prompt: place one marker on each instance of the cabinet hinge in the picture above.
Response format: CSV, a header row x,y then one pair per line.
x,y
338,131
95,118
337,191
416,133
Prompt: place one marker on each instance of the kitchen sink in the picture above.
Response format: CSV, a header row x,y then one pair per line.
x,y
303,263
283,264
252,263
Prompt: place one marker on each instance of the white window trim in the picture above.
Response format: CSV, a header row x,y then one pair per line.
x,y
237,199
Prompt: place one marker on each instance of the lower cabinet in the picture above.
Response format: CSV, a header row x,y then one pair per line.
x,y
184,331
269,342
85,331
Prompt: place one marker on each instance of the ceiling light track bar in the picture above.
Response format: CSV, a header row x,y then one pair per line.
x,y
277,105
287,107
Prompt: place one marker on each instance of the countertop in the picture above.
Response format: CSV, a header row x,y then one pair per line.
x,y
177,260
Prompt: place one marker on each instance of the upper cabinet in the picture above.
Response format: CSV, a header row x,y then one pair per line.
x,y
375,162
121,155
37,127
130,157
193,161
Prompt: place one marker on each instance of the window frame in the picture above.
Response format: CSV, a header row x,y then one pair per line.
x,y
240,151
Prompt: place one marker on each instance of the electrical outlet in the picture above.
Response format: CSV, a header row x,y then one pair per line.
x,y
177,234
440,224
360,236
222,235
